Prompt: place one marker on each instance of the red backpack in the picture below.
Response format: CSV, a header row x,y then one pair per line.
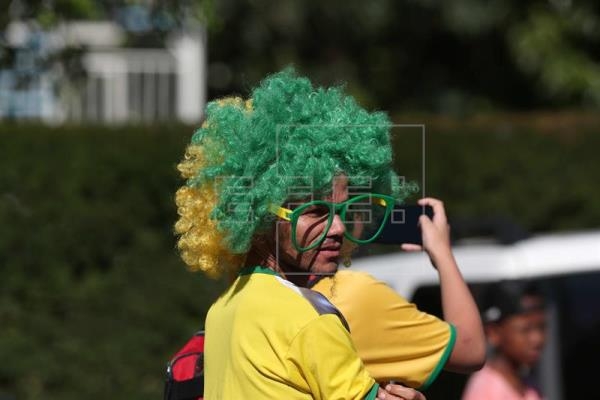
x,y
185,372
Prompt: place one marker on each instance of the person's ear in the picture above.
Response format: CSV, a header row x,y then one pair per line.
x,y
265,239
346,251
270,237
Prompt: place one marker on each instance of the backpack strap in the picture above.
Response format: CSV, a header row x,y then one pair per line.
x,y
319,302
314,279
322,305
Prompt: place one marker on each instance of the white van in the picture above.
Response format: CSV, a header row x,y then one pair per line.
x,y
567,266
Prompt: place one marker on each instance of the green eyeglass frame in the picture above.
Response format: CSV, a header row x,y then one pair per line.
x,y
335,208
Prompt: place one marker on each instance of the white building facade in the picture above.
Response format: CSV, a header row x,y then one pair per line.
x,y
118,85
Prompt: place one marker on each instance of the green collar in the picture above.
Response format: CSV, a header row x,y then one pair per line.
x,y
257,269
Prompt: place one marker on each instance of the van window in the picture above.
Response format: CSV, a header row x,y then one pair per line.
x,y
579,330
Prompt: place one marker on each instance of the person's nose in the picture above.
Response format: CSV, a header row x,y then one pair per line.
x,y
337,226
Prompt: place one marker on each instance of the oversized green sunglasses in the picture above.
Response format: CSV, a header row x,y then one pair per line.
x,y
363,216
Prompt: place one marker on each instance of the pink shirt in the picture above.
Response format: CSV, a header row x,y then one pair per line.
x,y
488,384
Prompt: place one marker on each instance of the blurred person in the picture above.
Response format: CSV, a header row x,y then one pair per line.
x,y
515,325
270,198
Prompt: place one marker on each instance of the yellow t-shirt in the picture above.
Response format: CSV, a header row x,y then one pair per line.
x,y
264,340
393,338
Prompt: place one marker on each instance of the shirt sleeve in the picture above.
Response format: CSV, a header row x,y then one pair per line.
x,y
323,358
394,339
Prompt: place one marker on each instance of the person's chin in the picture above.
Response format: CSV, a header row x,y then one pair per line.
x,y
532,358
326,266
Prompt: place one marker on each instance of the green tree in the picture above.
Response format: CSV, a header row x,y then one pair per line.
x,y
453,56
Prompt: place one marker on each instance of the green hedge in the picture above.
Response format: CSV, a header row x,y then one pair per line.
x,y
541,181
94,299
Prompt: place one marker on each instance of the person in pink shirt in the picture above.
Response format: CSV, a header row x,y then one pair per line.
x,y
515,325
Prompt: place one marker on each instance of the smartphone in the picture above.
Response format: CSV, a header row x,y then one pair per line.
x,y
403,225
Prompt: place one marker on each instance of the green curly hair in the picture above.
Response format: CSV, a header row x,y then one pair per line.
x,y
288,140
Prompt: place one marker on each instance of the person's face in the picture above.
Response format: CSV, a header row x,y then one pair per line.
x,y
324,258
521,337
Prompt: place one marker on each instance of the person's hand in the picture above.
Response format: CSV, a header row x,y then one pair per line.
x,y
435,232
394,391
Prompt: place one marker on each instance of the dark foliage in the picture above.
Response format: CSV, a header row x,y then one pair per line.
x,y
94,299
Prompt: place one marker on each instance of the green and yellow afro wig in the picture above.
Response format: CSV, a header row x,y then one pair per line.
x,y
287,140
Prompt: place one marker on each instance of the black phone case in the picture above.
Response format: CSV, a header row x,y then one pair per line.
x,y
403,225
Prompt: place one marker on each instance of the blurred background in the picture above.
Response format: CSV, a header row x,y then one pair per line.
x,y
97,102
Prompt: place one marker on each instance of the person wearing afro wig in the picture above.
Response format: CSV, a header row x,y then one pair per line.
x,y
276,191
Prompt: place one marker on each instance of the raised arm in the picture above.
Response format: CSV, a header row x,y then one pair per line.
x,y
458,305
